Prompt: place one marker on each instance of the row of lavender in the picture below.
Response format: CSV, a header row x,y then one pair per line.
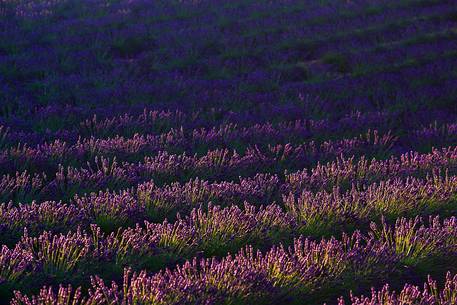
x,y
324,192
201,140
213,230
142,120
429,295
309,212
163,129
47,156
281,273
221,164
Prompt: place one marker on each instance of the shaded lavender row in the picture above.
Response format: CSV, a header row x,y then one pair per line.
x,y
165,167
434,134
126,123
437,19
251,276
415,80
410,294
357,39
388,55
46,124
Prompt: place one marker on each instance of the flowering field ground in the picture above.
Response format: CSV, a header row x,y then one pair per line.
x,y
228,152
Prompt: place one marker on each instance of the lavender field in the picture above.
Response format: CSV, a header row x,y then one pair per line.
x,y
235,152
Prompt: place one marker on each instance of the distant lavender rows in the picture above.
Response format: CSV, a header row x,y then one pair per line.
x,y
294,89
352,93
210,53
323,27
324,24
249,276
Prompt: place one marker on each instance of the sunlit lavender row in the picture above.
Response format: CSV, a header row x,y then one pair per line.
x,y
304,267
412,294
345,183
159,201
